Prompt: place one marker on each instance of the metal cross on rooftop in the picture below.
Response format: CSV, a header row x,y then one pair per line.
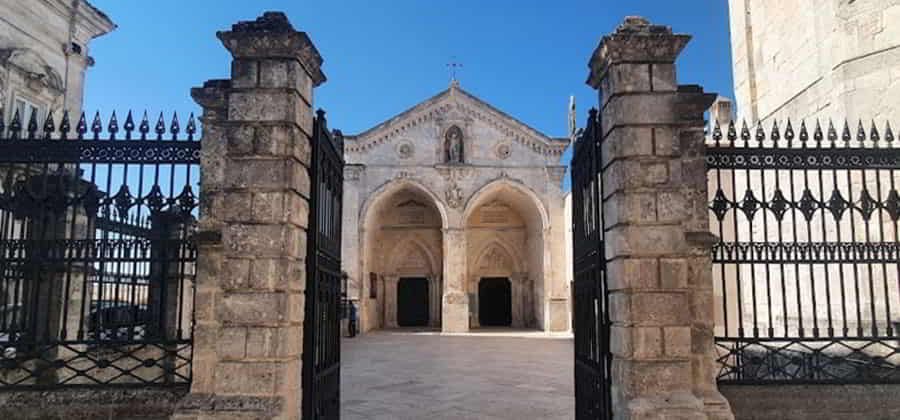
x,y
453,65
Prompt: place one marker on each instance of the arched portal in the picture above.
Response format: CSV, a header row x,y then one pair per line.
x,y
505,236
401,234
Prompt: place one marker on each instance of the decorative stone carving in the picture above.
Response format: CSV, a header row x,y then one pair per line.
x,y
556,174
453,145
455,173
405,150
34,68
413,261
454,195
494,258
411,212
462,106
353,172
495,213
503,150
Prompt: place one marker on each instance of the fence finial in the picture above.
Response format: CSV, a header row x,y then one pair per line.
x,y
129,125
97,126
832,133
49,126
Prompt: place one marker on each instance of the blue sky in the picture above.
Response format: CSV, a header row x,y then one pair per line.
x,y
524,56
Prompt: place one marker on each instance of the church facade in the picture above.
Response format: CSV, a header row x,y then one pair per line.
x,y
454,219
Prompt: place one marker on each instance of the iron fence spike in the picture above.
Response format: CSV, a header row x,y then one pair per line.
x,y
32,124
160,127
832,133
81,128
49,126
873,133
129,125
113,126
789,131
175,127
65,126
732,132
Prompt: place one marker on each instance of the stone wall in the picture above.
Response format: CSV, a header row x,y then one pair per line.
x,y
814,402
91,404
816,58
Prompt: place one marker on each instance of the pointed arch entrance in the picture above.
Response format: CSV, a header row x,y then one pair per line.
x,y
401,237
505,226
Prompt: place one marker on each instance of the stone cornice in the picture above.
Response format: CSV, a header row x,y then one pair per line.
x,y
469,106
91,19
636,40
272,36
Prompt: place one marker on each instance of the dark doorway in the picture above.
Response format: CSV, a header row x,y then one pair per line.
x,y
412,302
495,302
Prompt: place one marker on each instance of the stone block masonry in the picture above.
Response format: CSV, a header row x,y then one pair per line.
x,y
255,191
657,240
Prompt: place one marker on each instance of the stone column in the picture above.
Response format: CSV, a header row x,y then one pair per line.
x,y
434,301
390,301
654,205
455,309
254,211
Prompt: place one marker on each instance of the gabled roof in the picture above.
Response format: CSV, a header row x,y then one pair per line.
x,y
472,106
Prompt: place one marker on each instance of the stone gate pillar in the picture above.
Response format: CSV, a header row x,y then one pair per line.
x,y
658,239
254,211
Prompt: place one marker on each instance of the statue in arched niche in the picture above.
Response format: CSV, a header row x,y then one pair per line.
x,y
453,145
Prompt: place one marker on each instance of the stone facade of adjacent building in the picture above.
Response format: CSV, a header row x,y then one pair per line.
x,y
44,55
816,58
453,216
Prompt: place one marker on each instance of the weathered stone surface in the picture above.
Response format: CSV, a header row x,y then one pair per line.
x,y
270,105
246,378
249,300
253,309
673,273
88,404
636,40
633,273
814,402
631,207
272,36
854,75
652,183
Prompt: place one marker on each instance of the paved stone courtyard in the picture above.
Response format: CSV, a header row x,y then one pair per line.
x,y
482,375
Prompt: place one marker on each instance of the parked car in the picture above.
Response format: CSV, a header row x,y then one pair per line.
x,y
116,320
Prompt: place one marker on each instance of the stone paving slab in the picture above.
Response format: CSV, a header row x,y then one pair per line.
x,y
489,375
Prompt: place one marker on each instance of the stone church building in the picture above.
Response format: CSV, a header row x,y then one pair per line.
x,y
454,219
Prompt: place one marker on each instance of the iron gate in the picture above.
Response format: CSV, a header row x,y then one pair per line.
x,y
808,267
96,256
321,331
593,398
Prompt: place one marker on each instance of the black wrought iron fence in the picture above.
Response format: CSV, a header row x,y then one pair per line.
x,y
322,324
96,256
593,356
807,271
